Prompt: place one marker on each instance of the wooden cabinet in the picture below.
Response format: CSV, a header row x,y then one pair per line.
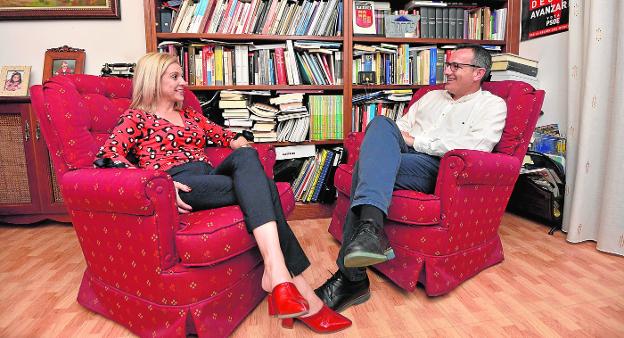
x,y
28,189
509,43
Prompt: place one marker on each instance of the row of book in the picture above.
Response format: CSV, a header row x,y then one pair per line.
x,y
389,103
481,23
294,63
326,117
400,64
316,175
273,17
364,113
436,20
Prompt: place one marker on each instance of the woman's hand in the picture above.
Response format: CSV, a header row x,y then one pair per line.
x,y
239,142
183,208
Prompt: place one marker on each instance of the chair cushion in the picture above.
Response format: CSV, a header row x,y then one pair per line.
x,y
211,236
407,206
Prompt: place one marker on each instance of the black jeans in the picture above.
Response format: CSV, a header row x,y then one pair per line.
x,y
240,179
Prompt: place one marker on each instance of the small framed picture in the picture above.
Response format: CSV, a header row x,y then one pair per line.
x,y
63,61
14,80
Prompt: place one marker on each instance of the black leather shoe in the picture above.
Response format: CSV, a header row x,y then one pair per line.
x,y
339,293
369,245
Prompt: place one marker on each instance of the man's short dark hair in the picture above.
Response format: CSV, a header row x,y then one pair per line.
x,y
482,58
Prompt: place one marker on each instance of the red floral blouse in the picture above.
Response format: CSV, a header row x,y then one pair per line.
x,y
160,144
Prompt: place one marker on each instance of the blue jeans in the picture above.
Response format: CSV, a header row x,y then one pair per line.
x,y
386,163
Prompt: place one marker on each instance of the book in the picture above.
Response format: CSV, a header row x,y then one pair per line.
x,y
280,66
327,162
518,67
514,58
512,75
418,3
364,17
232,104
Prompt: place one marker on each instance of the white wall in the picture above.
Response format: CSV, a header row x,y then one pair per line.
x,y
552,54
24,42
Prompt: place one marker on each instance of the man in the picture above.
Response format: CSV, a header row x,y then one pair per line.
x,y
406,155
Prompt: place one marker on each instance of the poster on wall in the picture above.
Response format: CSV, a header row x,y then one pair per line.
x,y
544,17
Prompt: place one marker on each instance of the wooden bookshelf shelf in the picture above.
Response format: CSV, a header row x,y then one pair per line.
x,y
269,87
245,37
323,142
381,39
384,87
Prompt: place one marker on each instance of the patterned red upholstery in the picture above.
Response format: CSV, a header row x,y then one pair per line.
x,y
442,239
138,249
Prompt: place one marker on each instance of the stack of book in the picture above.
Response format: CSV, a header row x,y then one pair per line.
x,y
293,119
263,116
507,66
235,113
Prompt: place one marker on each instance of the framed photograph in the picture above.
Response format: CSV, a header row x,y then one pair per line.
x,y
14,80
59,9
63,61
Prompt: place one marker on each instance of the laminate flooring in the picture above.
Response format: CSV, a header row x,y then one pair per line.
x,y
545,287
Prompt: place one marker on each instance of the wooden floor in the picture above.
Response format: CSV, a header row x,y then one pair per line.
x,y
546,287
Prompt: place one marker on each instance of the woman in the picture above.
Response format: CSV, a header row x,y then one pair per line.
x,y
164,137
14,83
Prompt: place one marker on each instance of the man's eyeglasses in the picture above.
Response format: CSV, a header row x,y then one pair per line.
x,y
455,66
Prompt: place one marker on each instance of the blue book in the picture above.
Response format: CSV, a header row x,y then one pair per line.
x,y
368,62
339,32
433,58
321,181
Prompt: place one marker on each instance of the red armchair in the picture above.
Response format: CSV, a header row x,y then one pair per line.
x,y
150,269
441,240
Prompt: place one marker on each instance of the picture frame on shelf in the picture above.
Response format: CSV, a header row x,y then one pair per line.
x,y
14,80
81,9
63,60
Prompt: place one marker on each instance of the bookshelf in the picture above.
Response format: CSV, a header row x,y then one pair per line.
x,y
348,89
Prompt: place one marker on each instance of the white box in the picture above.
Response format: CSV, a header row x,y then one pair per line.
x,y
297,151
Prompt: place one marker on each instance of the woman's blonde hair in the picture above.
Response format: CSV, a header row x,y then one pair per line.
x,y
147,79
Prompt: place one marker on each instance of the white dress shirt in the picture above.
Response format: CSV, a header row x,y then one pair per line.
x,y
439,124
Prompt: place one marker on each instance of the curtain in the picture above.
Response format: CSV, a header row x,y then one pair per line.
x,y
594,201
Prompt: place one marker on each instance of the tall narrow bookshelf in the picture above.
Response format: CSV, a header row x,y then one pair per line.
x,y
347,39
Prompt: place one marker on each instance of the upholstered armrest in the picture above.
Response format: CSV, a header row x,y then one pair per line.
x,y
129,206
266,153
473,167
352,144
126,191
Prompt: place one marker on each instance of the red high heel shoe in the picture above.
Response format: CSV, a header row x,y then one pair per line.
x,y
286,302
324,321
